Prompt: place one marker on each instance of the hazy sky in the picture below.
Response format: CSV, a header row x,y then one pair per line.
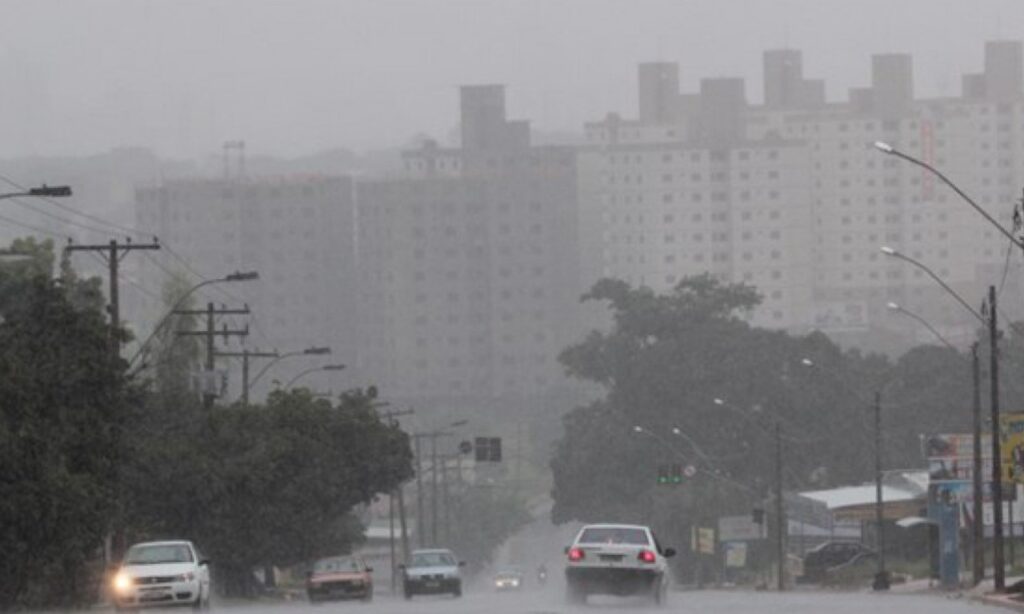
x,y
297,76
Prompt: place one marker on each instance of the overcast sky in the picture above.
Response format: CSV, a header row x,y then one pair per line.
x,y
293,77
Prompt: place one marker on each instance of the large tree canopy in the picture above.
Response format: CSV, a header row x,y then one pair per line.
x,y
63,401
667,358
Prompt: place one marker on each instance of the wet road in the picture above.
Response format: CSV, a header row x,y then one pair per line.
x,y
700,602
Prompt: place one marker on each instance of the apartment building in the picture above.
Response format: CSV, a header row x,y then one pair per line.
x,y
792,197
468,276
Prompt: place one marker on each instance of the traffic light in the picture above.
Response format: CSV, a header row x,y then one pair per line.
x,y
663,477
677,474
488,449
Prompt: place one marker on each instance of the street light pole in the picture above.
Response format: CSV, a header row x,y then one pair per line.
x,y
892,151
310,351
910,314
888,251
44,191
302,374
882,577
232,277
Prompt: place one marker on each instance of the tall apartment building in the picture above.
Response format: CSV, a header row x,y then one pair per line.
x,y
296,232
791,195
468,277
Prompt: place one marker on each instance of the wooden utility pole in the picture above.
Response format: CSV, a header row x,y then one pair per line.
x,y
998,562
112,252
978,526
245,355
211,312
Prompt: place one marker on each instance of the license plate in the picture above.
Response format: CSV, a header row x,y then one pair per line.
x,y
432,584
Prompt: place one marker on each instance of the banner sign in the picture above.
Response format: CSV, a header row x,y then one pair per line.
x,y
1011,442
735,554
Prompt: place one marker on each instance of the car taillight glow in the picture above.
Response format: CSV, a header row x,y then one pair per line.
x,y
575,554
646,556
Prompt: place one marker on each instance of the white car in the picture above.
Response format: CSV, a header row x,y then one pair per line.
x,y
430,572
160,574
616,559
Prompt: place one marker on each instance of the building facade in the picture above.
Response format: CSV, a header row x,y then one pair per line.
x,y
792,196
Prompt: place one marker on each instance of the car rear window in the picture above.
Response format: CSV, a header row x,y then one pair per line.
x,y
336,565
432,559
614,535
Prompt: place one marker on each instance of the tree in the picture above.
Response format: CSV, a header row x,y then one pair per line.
x,y
63,399
272,484
665,360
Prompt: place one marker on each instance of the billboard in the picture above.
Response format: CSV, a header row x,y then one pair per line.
x,y
1011,442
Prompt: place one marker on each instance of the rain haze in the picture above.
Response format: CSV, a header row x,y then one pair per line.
x,y
511,306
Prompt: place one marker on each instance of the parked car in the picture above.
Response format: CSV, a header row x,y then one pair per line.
x,y
162,573
509,580
617,559
340,577
830,554
858,571
432,571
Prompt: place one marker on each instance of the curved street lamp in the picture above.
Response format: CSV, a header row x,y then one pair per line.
x,y
338,367
43,191
888,251
310,351
897,308
892,151
231,277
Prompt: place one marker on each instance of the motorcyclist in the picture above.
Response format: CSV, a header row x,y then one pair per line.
x,y
542,574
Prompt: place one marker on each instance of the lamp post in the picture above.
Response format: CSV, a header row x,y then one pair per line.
x,y
237,276
310,351
896,308
888,251
990,323
43,191
892,151
301,374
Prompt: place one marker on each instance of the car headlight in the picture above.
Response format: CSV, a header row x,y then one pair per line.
x,y
122,582
185,577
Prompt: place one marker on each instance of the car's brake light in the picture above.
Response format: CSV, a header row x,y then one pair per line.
x,y
646,556
575,554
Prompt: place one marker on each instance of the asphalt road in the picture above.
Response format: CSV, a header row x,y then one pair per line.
x,y
696,602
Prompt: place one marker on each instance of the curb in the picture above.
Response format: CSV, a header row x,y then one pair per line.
x,y
1002,601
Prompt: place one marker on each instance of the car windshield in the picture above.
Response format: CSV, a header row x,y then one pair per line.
x,y
614,535
336,564
432,559
151,555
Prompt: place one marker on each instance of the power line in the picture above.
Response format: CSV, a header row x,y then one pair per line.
x,y
73,211
28,226
60,219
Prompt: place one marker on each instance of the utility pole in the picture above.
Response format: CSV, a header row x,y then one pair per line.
x,y
780,519
420,524
978,527
446,500
998,562
402,523
112,253
245,355
211,313
433,492
882,577
391,539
